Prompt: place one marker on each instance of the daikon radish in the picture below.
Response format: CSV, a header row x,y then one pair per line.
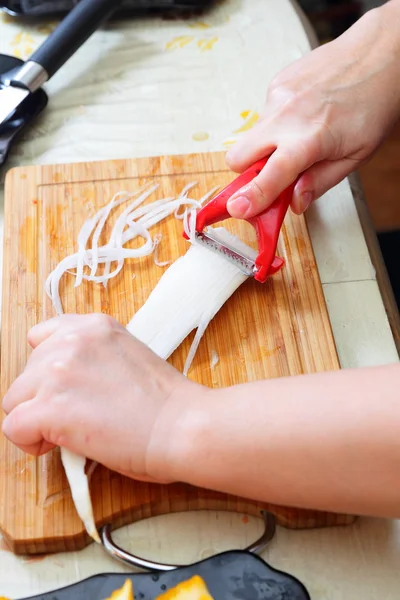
x,y
187,297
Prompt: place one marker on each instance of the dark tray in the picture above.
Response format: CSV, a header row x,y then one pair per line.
x,y
232,575
59,8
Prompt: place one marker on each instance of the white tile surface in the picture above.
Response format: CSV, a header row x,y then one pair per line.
x,y
362,332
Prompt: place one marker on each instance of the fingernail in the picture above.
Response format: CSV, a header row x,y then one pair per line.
x,y
238,207
305,200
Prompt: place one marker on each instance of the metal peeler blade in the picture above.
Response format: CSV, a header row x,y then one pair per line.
x,y
267,225
242,262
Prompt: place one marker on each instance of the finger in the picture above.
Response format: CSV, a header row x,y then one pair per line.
x,y
39,333
23,428
318,180
26,386
253,146
20,391
282,169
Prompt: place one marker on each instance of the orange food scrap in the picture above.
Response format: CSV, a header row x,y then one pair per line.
x,y
124,593
192,589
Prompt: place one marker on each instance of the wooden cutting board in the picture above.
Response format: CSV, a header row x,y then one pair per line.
x,y
277,329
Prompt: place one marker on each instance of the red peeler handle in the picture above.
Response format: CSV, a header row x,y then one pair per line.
x,y
267,224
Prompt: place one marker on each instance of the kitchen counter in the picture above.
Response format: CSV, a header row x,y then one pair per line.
x,y
151,87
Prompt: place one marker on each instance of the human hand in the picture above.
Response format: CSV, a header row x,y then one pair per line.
x,y
324,115
91,387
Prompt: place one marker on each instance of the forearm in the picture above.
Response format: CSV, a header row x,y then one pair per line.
x,y
328,442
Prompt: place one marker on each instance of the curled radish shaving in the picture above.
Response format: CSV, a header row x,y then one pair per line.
x,y
157,242
189,225
91,223
125,229
104,254
183,194
214,360
116,234
91,469
200,202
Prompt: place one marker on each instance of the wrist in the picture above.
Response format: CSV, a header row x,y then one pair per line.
x,y
175,434
374,41
385,21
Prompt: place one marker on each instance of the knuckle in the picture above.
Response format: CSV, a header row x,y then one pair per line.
x,y
56,433
73,346
259,190
60,370
280,94
100,323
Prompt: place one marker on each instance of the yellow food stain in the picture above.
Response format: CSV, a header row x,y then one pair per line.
x,y
23,45
27,243
200,25
228,143
17,39
53,223
57,177
206,45
200,136
250,118
23,176
87,195
267,353
179,42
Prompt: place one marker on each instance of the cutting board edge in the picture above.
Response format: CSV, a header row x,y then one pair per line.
x,y
79,540
66,169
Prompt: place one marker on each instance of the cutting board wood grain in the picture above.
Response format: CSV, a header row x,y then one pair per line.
x,y
277,329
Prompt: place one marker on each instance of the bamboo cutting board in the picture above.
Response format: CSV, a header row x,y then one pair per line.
x,y
277,329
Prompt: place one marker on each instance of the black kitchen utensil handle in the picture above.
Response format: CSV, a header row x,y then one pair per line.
x,y
73,31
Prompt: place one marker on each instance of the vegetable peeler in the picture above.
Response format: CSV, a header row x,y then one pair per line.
x,y
267,225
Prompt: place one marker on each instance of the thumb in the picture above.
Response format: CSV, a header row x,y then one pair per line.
x,y
281,170
318,180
